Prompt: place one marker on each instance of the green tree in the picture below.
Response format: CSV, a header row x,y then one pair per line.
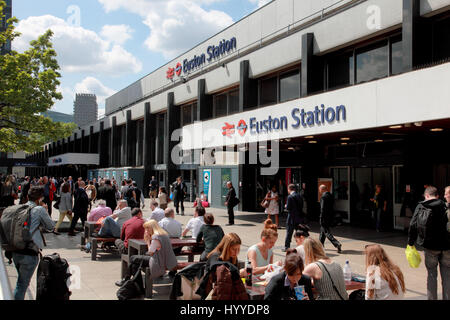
x,y
28,87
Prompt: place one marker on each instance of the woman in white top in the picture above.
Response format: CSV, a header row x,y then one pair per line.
x,y
301,233
384,280
162,197
260,255
273,209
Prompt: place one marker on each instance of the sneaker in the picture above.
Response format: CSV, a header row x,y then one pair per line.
x,y
182,213
339,248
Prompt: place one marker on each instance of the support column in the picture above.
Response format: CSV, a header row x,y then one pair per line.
x,y
130,141
307,64
148,144
82,142
91,140
410,41
204,102
248,88
113,138
102,141
172,123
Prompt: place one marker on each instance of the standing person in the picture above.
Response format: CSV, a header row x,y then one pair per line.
x,y
179,192
129,194
294,206
72,185
163,198
391,284
139,196
428,228
80,207
27,260
91,191
9,194
273,210
153,188
109,194
65,206
380,206
24,188
327,275
49,189
447,199
230,202
327,218
211,234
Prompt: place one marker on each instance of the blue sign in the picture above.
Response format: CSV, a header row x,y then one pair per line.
x,y
207,183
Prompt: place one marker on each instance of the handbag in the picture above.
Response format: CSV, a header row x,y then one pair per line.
x,y
332,282
132,288
265,204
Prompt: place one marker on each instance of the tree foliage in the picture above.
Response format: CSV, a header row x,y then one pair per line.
x,y
28,87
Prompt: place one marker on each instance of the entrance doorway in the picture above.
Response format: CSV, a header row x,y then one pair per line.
x,y
362,190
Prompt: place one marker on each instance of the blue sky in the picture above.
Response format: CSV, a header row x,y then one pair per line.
x,y
105,45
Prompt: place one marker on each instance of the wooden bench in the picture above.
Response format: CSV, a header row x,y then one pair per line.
x,y
95,241
189,253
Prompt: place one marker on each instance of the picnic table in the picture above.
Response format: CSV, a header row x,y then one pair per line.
x,y
89,228
257,292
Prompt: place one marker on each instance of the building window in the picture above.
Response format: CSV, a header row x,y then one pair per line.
x,y
160,138
268,91
233,101
372,62
290,86
187,115
396,55
441,39
194,112
220,105
340,71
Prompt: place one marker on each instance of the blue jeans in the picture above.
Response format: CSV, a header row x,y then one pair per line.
x,y
110,228
25,266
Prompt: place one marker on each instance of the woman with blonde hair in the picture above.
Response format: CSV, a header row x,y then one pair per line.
x,y
327,275
227,250
260,255
384,280
160,256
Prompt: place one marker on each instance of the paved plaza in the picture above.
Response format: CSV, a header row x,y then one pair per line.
x,y
97,277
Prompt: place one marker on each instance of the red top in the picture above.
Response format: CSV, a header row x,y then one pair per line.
x,y
132,229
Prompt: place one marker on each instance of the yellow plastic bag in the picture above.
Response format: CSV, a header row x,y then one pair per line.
x,y
413,256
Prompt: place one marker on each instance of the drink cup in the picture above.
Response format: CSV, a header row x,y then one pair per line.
x,y
299,292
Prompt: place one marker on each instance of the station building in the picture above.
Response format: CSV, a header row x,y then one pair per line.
x,y
351,93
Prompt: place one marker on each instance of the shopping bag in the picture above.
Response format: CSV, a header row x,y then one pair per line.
x,y
413,256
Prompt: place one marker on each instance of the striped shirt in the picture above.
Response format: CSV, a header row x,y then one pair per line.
x,y
324,285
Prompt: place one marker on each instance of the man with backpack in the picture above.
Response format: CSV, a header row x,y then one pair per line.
x,y
428,229
25,246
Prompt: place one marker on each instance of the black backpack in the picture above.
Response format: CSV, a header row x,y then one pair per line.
x,y
52,275
424,222
132,288
129,197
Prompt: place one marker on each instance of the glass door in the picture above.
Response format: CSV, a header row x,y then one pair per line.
x,y
399,193
341,178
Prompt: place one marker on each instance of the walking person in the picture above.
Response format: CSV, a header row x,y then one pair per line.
x,y
153,188
139,196
380,206
8,192
27,260
327,218
281,195
230,202
80,207
428,229
294,206
24,188
49,190
163,198
447,200
65,206
179,192
273,210
91,191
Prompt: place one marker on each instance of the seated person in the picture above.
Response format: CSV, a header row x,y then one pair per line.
x,y
157,212
203,200
195,223
172,226
211,234
227,250
112,225
131,229
301,233
160,256
100,212
260,255
281,286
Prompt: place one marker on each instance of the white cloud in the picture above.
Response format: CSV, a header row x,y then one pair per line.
x,y
95,86
260,2
175,25
78,49
117,34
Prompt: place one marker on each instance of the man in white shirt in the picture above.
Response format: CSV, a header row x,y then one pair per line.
x,y
195,223
112,225
157,212
172,226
